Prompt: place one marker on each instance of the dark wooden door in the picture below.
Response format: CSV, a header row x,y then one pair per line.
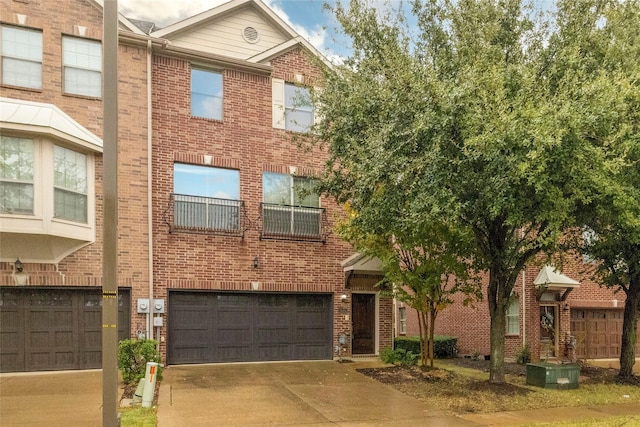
x,y
54,329
209,327
364,323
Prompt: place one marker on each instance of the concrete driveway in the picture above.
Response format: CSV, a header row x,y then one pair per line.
x,y
69,399
322,393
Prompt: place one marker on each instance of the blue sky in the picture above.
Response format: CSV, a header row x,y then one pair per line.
x,y
307,17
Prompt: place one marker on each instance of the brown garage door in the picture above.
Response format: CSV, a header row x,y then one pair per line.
x,y
236,327
598,333
54,329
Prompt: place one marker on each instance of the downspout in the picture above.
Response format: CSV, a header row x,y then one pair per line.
x,y
149,190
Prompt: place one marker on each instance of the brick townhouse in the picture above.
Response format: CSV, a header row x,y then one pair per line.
x,y
50,183
559,314
225,251
244,254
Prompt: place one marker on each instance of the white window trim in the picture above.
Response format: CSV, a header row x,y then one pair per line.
x,y
278,106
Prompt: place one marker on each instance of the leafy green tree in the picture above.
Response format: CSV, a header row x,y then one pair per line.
x,y
612,217
469,112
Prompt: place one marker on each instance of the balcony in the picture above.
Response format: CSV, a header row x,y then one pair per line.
x,y
299,223
206,215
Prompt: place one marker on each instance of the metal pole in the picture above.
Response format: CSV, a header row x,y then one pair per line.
x,y
110,221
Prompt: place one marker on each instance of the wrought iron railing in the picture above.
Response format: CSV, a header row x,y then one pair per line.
x,y
286,222
206,215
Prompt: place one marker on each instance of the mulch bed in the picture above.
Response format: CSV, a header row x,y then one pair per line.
x,y
397,374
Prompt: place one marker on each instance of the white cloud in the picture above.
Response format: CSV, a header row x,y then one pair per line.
x,y
165,12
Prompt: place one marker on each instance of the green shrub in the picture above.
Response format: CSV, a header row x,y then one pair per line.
x,y
133,355
524,355
444,346
399,356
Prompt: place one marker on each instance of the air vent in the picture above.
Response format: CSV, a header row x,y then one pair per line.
x,y
251,35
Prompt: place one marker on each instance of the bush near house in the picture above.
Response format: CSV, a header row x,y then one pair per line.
x,y
443,346
133,355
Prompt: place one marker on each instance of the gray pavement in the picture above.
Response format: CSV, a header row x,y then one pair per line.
x,y
321,393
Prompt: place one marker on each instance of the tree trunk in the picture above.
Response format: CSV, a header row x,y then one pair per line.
x,y
432,327
422,324
629,331
496,297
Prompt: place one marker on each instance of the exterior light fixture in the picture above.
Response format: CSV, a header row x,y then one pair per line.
x,y
343,298
18,266
255,262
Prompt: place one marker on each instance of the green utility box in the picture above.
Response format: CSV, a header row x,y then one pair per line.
x,y
550,375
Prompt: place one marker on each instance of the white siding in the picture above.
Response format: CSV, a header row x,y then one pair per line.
x,y
224,36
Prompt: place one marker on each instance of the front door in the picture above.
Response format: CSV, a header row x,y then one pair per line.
x,y
548,330
364,323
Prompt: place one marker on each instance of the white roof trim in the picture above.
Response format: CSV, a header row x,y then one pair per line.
x,y
359,263
283,47
46,119
550,278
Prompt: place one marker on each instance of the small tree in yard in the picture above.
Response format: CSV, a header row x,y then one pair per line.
x,y
483,116
426,274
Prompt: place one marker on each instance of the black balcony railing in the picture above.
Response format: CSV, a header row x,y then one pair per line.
x,y
285,222
206,215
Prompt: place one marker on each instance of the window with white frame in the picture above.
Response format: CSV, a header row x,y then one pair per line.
x,y
17,160
291,205
402,317
206,94
292,107
21,57
82,66
206,197
68,170
513,318
70,184
298,108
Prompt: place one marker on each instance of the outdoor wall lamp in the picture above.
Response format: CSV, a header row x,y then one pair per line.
x,y
343,298
256,262
18,265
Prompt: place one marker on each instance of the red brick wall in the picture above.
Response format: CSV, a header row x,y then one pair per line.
x,y
244,140
84,267
471,324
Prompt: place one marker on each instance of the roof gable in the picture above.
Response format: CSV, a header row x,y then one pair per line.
x,y
241,29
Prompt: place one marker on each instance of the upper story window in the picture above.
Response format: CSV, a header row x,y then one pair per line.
x,y
206,94
298,108
82,66
20,158
17,159
206,198
291,208
292,107
70,184
21,57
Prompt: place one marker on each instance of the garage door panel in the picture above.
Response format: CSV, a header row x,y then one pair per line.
x,y
253,327
274,352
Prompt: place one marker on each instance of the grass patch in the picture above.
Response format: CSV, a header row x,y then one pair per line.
x,y
462,389
137,416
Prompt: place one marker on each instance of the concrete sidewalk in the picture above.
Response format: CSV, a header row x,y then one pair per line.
x,y
322,393
69,399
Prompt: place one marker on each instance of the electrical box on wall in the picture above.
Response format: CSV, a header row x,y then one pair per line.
x,y
143,305
157,321
158,306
